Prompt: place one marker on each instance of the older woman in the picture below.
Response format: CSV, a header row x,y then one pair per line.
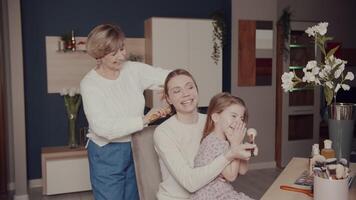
x,y
113,102
177,142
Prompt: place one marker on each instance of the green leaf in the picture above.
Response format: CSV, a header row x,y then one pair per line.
x,y
329,93
332,51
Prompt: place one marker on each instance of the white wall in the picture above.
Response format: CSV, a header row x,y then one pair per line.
x,y
260,100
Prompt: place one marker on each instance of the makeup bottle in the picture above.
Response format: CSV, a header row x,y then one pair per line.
x,y
328,152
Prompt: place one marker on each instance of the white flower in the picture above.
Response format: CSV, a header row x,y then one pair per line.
x,y
315,70
287,81
322,28
329,84
310,31
339,71
311,64
337,87
308,77
287,86
329,72
324,73
72,92
287,76
64,92
339,61
345,87
349,76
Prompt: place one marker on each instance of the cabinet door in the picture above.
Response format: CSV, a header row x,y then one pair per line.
x,y
183,43
300,108
207,74
170,43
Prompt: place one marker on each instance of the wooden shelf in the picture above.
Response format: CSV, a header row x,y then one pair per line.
x,y
69,51
65,69
298,46
295,67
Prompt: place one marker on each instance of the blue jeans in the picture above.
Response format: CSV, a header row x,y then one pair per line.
x,y
112,171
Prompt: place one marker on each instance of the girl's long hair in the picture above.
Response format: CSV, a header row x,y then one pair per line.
x,y
217,105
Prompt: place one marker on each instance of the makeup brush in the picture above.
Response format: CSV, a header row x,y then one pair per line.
x,y
251,135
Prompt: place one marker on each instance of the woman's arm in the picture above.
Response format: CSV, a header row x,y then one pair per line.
x,y
150,77
100,122
190,178
231,171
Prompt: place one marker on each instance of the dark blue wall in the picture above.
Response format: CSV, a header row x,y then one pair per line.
x,y
46,123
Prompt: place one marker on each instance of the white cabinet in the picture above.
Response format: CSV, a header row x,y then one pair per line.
x,y
64,170
183,43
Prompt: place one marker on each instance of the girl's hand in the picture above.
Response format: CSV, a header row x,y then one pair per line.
x,y
240,151
235,133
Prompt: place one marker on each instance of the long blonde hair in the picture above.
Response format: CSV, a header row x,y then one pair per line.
x,y
217,105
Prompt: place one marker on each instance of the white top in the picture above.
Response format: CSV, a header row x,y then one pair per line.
x,y
114,108
177,145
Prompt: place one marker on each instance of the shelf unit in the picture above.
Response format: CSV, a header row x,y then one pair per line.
x,y
298,111
65,69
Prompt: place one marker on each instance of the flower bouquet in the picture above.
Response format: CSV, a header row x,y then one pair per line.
x,y
328,73
72,101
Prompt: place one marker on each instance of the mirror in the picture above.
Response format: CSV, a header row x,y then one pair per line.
x,y
255,53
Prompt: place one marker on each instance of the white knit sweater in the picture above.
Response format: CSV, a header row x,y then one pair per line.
x,y
177,145
114,108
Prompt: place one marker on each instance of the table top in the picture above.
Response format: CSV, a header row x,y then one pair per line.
x,y
288,176
61,149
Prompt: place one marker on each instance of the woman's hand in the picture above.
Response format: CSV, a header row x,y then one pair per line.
x,y
235,133
156,113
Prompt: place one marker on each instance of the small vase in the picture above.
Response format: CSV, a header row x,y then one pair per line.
x,y
72,140
341,128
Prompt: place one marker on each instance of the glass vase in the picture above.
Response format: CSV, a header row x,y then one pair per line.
x,y
341,128
72,140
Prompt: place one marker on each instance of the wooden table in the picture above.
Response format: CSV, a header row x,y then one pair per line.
x,y
288,176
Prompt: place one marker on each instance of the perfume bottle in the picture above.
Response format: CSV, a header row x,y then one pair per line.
x,y
328,152
315,150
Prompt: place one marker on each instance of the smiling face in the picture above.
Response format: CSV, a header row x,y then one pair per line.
x,y
224,111
228,118
182,93
113,61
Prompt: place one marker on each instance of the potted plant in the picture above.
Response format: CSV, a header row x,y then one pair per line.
x,y
329,73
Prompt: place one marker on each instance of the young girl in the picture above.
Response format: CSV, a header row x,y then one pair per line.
x,y
177,142
226,119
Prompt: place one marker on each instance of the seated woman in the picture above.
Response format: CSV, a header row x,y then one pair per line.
x,y
177,142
